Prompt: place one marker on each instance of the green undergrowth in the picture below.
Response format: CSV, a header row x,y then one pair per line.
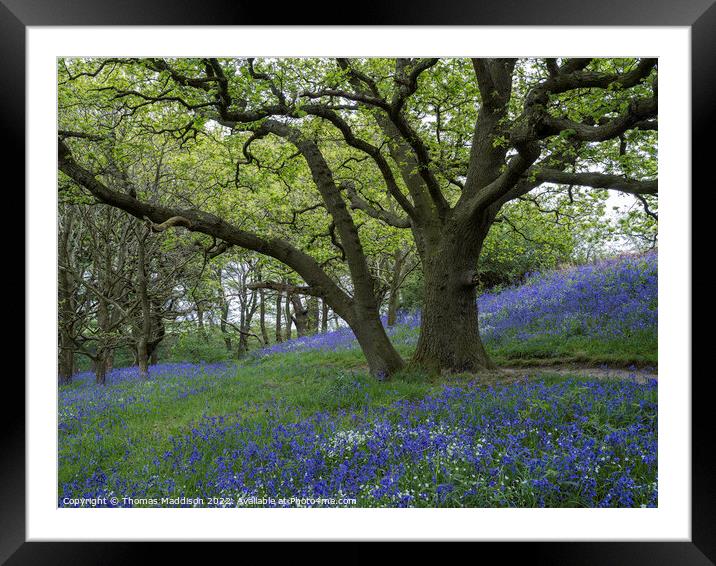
x,y
128,441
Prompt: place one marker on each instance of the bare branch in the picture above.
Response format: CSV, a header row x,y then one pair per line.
x,y
286,288
598,181
169,223
357,203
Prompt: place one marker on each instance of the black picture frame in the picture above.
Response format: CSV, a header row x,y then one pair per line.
x,y
16,15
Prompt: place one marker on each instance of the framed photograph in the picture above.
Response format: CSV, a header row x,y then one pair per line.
x,y
250,244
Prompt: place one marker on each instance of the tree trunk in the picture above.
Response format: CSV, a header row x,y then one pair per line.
x,y
324,316
301,316
279,337
312,307
383,360
222,325
242,347
143,358
157,335
145,326
66,301
243,343
100,367
392,308
66,366
103,347
288,318
395,281
100,374
109,361
449,333
66,358
262,318
153,350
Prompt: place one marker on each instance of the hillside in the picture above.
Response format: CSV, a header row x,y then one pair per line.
x,y
604,312
303,424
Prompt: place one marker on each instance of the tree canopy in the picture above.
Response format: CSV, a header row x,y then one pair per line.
x,y
334,169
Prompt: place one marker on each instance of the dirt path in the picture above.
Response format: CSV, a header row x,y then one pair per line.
x,y
510,374
639,375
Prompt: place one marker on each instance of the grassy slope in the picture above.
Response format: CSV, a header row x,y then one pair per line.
x,y
640,350
604,313
129,438
309,382
127,442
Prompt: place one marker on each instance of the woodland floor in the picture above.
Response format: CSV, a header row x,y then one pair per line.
x,y
203,430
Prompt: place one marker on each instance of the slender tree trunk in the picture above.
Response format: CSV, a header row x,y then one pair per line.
x,y
224,311
66,366
66,354
243,345
243,338
247,314
449,333
324,316
222,325
143,358
313,309
262,317
100,366
66,303
392,308
301,316
103,348
157,335
289,320
395,286
279,337
145,328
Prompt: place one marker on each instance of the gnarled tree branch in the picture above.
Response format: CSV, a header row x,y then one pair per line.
x,y
598,181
